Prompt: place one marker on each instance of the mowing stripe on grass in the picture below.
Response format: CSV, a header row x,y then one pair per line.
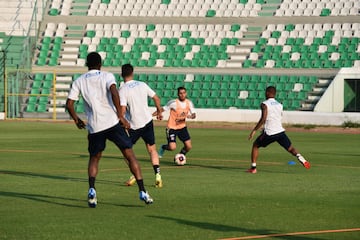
x,y
194,158
294,234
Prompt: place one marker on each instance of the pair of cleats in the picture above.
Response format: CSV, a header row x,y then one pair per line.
x,y
305,164
92,200
158,181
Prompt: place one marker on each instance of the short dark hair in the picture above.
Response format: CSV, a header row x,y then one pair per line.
x,y
127,70
181,88
271,89
93,59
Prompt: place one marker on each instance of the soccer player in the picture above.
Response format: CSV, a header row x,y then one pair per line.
x,y
271,114
134,105
104,121
180,109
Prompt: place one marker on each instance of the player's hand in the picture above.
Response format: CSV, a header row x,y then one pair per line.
x,y
191,116
159,115
80,124
251,134
124,123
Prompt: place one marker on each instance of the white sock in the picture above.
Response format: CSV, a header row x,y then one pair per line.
x,y
253,165
300,158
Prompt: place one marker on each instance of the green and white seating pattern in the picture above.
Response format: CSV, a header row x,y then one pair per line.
x,y
307,46
205,90
318,8
144,45
204,45
15,16
160,8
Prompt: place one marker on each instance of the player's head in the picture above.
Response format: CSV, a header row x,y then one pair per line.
x,y
93,61
270,92
127,71
181,93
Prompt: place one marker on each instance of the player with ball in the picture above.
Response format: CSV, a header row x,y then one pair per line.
x,y
180,109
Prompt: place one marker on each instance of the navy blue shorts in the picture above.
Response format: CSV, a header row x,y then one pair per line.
x,y
116,134
263,140
146,133
182,134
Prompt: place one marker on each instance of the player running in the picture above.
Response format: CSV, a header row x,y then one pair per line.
x,y
102,107
134,106
180,109
271,114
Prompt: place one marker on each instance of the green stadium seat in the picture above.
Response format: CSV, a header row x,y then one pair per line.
x,y
205,94
325,12
201,103
210,13
45,91
53,12
31,107
41,108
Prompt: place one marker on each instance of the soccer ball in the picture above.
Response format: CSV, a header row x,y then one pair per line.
x,y
180,159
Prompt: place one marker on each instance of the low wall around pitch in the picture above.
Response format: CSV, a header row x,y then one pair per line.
x,y
289,117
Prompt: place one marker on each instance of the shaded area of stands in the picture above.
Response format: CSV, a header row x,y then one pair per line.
x,y
206,91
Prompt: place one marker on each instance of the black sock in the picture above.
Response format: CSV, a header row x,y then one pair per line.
x,y
91,182
140,184
165,147
183,151
156,169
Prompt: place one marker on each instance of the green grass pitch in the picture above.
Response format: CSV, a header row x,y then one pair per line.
x,y
43,187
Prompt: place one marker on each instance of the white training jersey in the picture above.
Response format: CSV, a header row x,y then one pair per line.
x,y
273,123
94,87
172,105
134,95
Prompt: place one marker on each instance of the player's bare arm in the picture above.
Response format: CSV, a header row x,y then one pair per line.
x,y
116,100
70,107
260,122
156,112
159,109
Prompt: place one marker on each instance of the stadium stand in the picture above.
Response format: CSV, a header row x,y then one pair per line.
x,y
224,52
15,25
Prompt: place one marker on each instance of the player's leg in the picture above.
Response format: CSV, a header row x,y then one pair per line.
x,y
96,144
148,136
93,168
261,141
154,156
171,145
124,143
136,171
184,136
254,156
285,142
134,135
187,147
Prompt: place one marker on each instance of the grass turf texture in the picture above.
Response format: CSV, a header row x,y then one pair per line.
x,y
43,187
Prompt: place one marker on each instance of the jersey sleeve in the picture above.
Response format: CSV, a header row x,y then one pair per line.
x,y
110,80
192,108
123,101
151,93
170,105
74,91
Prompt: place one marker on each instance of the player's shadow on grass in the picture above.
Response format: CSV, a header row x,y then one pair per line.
x,y
216,167
226,228
54,200
45,199
53,177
